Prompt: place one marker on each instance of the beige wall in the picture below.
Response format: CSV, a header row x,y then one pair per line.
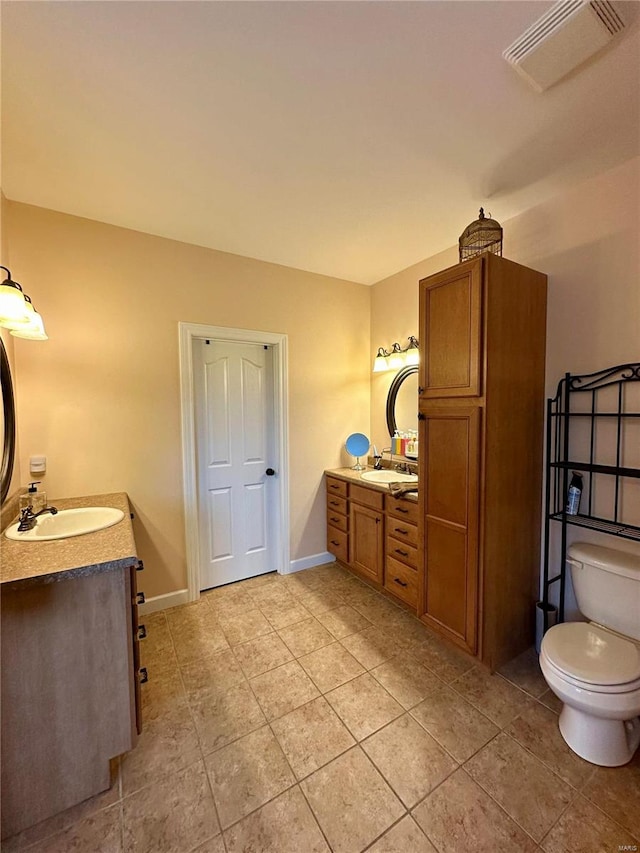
x,y
101,397
588,243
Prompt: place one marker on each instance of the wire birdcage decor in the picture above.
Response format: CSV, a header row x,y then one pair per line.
x,y
483,235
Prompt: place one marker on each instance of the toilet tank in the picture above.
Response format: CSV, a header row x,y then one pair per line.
x,y
606,583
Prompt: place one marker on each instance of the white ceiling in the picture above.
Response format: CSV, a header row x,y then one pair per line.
x,y
348,138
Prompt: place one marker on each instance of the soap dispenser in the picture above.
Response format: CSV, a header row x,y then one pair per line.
x,y
33,498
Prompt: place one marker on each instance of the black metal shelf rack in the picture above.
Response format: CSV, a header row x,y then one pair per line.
x,y
573,418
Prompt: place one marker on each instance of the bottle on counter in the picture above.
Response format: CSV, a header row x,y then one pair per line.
x,y
33,498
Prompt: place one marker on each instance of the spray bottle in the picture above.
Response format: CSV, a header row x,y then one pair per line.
x,y
574,494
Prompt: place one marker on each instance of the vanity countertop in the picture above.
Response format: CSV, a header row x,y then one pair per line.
x,y
352,476
58,559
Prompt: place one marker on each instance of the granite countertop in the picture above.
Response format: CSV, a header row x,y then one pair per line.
x,y
352,476
59,559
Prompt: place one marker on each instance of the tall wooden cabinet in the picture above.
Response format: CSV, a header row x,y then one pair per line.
x,y
481,389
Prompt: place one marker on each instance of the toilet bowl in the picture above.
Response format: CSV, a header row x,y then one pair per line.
x,y
594,666
601,692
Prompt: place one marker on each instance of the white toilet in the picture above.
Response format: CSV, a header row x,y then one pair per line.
x,y
594,667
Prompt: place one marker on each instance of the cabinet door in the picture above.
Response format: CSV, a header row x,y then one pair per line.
x,y
451,332
450,473
366,544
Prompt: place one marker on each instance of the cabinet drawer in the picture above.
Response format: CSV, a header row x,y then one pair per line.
x,y
408,510
366,497
402,530
401,551
337,543
337,519
401,581
336,504
336,487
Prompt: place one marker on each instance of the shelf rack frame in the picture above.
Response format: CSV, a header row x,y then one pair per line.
x,y
560,416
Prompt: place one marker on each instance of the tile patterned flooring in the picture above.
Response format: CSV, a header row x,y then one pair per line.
x,y
307,713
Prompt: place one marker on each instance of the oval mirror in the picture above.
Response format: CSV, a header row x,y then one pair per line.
x,y
402,401
357,445
8,424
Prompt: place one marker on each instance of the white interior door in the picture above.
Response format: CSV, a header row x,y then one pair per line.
x,y
235,447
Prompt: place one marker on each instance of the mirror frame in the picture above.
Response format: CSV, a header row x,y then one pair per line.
x,y
9,413
393,393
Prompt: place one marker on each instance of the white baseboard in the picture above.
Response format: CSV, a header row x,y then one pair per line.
x,y
162,602
310,561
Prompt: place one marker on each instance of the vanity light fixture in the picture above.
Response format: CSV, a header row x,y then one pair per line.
x,y
17,312
32,330
397,357
412,353
13,308
380,361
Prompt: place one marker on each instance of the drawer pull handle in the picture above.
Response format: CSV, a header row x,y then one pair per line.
x,y
401,530
333,542
334,503
140,598
143,675
402,583
400,509
142,632
402,553
333,486
333,518
140,566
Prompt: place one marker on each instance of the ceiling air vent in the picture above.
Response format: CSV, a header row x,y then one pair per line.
x,y
562,39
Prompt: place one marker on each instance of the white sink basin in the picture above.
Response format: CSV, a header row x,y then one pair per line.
x,y
389,477
67,523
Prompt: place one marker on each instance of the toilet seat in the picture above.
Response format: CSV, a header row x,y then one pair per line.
x,y
593,658
587,687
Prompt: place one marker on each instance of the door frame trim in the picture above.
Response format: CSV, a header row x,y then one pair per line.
x,y
187,333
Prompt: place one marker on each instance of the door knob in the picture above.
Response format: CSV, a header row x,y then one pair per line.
x,y
269,472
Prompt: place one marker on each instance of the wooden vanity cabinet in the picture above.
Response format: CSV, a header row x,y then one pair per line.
x,y
375,535
70,690
481,410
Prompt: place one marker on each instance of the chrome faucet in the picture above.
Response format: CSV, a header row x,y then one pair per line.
x,y
29,518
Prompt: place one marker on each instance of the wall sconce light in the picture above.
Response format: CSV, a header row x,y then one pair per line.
x,y
397,357
17,312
